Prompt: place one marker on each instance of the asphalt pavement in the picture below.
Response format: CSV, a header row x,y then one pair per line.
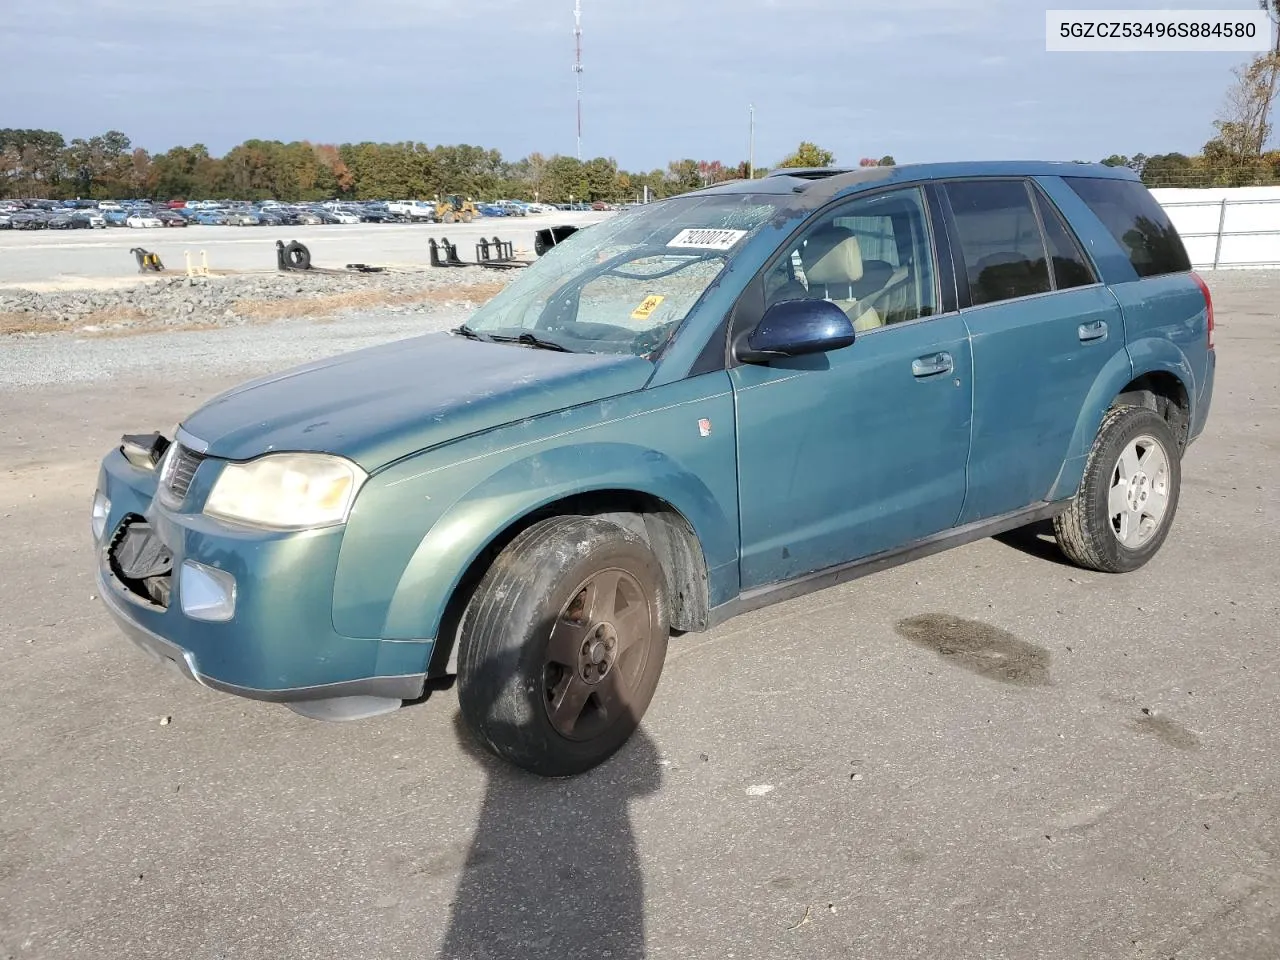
x,y
44,258
841,776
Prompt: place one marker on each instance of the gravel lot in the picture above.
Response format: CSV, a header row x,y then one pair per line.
x,y
815,780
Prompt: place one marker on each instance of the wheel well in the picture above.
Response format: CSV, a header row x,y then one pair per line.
x,y
1163,393
668,533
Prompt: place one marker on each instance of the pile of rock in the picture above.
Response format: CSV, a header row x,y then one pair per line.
x,y
235,299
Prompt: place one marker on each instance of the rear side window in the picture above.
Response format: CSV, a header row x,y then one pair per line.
x,y
1000,240
1070,268
1138,223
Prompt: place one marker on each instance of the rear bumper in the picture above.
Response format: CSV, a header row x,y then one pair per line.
x,y
1205,400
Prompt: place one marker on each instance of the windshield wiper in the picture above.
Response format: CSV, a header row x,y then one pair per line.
x,y
465,331
529,340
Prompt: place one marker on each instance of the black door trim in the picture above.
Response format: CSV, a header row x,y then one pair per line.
x,y
772,593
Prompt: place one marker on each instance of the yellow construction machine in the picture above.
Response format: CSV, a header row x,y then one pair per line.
x,y
454,209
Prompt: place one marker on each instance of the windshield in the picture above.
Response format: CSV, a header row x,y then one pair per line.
x,y
624,285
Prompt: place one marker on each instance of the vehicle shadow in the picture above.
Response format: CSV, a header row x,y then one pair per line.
x,y
1035,540
553,869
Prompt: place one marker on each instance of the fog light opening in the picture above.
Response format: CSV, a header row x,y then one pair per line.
x,y
206,592
98,516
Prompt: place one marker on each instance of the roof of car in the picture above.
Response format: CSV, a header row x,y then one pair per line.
x,y
832,181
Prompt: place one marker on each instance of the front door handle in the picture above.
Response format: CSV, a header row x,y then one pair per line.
x,y
1093,330
932,366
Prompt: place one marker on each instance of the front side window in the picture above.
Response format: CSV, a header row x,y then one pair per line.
x,y
625,285
871,257
1000,240
1139,224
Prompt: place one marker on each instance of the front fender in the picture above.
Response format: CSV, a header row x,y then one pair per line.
x,y
463,532
419,524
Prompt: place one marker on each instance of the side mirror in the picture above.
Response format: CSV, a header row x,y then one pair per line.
x,y
794,328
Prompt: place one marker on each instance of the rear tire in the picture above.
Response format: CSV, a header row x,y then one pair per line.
x,y
563,644
1129,495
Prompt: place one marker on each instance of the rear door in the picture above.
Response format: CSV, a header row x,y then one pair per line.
x,y
1042,326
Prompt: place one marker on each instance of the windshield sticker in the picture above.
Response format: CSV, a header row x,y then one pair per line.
x,y
646,308
707,239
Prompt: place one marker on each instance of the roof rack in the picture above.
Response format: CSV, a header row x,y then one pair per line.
x,y
810,173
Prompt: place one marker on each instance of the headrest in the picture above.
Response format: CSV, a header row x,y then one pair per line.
x,y
832,256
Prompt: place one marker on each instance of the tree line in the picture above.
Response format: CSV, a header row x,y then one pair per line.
x,y
42,163
1237,154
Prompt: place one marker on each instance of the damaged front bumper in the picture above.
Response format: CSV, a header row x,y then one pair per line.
x,y
241,611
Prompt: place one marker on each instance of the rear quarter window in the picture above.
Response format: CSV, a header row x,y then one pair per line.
x,y
1137,222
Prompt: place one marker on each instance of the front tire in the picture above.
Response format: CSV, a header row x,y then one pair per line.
x,y
1129,494
563,644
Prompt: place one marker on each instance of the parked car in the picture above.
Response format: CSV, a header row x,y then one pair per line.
x,y
29,220
211,218
171,218
70,220
144,221
413,210
375,214
691,410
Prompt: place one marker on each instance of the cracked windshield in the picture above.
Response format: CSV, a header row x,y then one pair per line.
x,y
625,286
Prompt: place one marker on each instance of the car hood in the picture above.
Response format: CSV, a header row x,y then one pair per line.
x,y
379,404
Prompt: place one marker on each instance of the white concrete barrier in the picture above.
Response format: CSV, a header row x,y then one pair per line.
x,y
1226,227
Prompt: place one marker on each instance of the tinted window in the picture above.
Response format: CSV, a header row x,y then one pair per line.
x,y
1000,240
871,257
1070,268
1138,223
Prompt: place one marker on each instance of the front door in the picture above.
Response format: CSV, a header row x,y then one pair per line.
x,y
846,454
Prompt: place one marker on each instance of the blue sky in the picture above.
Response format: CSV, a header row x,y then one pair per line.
x,y
920,79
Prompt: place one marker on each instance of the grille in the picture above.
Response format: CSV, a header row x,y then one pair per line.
x,y
180,471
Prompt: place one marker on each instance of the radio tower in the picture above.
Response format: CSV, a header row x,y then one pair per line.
x,y
577,64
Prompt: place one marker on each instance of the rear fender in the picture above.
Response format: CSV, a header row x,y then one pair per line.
x,y
479,518
1109,382
1158,355
1143,357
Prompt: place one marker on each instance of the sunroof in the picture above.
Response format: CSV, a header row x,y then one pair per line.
x,y
809,173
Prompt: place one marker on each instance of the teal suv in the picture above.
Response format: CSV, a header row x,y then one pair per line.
x,y
693,409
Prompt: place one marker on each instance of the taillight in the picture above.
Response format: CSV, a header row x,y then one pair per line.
x,y
1208,303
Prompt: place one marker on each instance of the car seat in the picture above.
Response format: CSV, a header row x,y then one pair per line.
x,y
832,261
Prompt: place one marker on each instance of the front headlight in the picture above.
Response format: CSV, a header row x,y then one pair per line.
x,y
286,491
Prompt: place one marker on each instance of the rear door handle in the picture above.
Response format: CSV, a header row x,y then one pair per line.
x,y
932,366
1093,330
